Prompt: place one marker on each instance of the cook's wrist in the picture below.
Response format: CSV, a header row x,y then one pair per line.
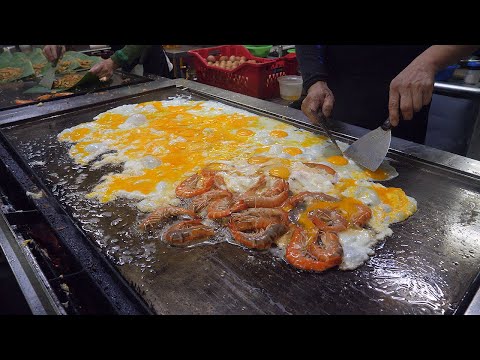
x,y
114,64
118,58
318,84
311,81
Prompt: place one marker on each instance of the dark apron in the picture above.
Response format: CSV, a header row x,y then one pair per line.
x,y
359,77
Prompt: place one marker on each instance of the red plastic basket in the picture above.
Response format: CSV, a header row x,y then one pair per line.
x,y
291,64
258,80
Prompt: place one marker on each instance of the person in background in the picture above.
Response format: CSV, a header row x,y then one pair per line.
x,y
363,85
152,57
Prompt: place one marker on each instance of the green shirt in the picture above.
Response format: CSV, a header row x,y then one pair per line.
x,y
128,54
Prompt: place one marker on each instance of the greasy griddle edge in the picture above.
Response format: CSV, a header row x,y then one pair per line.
x,y
120,295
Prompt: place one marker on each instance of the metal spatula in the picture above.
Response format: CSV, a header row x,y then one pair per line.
x,y
49,76
321,120
370,150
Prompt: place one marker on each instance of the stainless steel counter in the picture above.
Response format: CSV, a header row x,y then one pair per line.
x,y
457,89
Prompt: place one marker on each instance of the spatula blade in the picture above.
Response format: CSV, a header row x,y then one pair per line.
x,y
370,150
48,78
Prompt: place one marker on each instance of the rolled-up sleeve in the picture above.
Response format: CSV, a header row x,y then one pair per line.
x,y
128,54
311,60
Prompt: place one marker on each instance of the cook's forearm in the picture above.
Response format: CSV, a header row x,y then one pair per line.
x,y
128,54
311,61
441,56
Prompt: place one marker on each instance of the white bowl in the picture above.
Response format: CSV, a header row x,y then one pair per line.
x,y
290,87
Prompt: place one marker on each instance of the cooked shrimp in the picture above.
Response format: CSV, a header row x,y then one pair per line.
x,y
258,228
202,201
330,251
262,239
195,185
258,218
306,254
328,169
224,207
361,216
187,232
219,182
269,198
328,220
164,213
309,195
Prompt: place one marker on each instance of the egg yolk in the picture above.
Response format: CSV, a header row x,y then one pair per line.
x,y
111,121
184,143
258,160
145,184
245,132
337,160
343,184
261,150
292,151
281,162
278,133
349,207
76,134
378,174
280,171
395,197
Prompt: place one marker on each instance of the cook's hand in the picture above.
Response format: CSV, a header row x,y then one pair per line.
x,y
104,69
319,96
410,91
53,52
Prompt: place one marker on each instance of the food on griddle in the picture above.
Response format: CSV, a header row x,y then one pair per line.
x,y
53,96
10,73
38,68
23,102
85,64
67,81
62,66
44,97
235,175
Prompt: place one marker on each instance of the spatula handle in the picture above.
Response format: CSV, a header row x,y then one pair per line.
x,y
387,125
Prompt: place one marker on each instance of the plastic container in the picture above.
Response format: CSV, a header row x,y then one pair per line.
x,y
290,87
259,50
472,77
446,74
258,80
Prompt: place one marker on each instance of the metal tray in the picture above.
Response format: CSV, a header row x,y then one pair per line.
x,y
430,264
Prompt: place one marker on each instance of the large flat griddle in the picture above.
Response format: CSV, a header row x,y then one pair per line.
x,y
430,264
9,92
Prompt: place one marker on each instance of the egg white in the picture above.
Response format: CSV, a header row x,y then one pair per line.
x,y
105,146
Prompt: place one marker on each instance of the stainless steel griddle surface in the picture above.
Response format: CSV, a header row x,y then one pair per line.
x,y
428,266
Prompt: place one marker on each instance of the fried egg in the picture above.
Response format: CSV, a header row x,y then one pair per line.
x,y
160,143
